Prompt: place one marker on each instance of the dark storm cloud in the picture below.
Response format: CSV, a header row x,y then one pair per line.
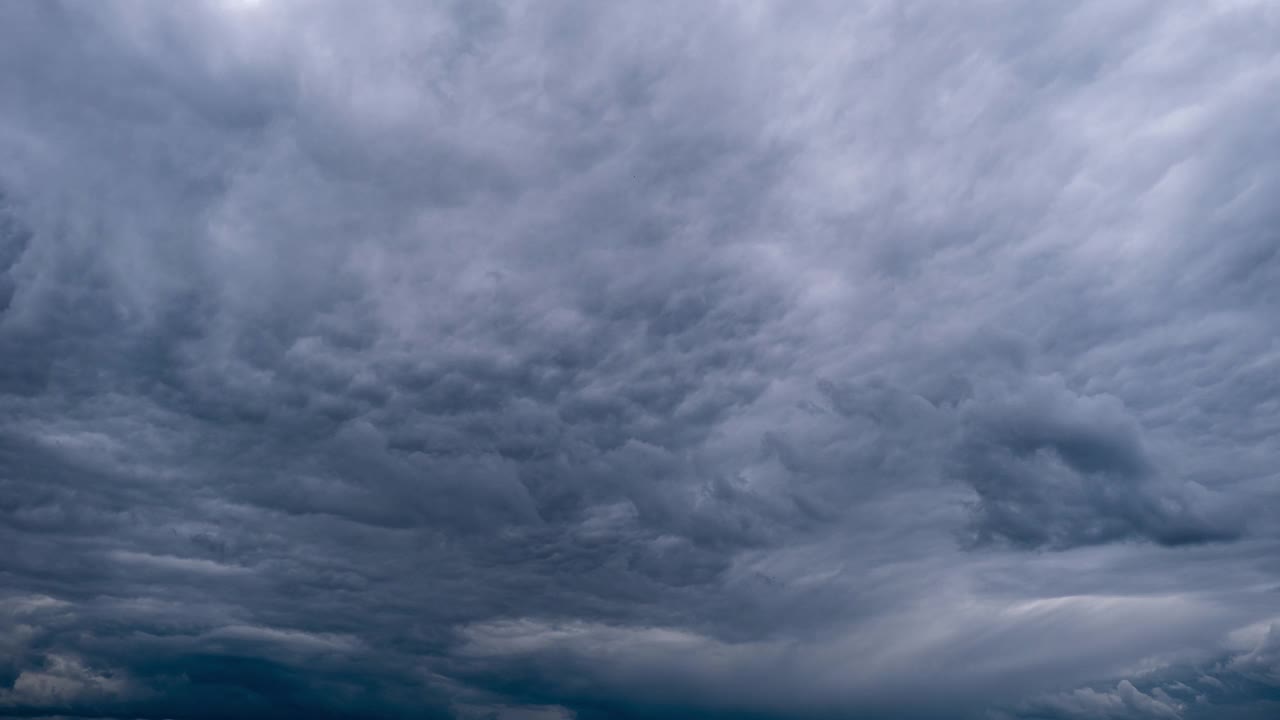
x,y
1054,468
493,360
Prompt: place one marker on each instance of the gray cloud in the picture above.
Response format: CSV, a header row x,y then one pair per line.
x,y
525,361
1054,468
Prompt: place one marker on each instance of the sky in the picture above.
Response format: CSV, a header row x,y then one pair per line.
x,y
614,360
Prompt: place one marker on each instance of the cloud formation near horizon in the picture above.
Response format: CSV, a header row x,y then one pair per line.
x,y
538,361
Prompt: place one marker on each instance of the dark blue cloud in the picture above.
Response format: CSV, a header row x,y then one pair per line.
x,y
542,361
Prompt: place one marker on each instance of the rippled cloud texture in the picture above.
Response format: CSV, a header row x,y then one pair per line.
x,y
536,361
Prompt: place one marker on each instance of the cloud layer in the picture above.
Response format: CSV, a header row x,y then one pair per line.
x,y
533,361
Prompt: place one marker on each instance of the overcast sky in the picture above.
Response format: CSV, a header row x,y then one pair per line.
x,y
619,360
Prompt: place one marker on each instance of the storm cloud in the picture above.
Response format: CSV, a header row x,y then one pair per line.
x,y
538,361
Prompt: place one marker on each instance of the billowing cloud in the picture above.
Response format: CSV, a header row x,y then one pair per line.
x,y
533,361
